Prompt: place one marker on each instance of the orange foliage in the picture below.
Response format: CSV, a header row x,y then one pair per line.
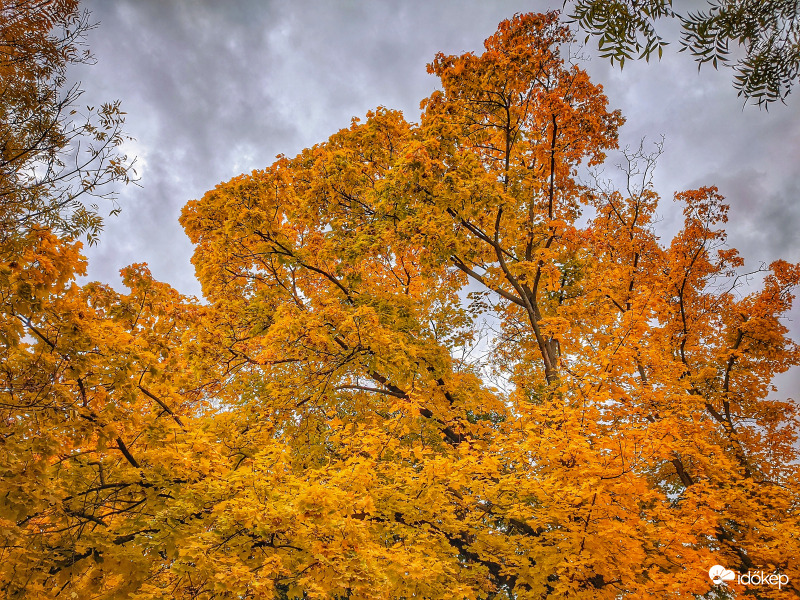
x,y
418,374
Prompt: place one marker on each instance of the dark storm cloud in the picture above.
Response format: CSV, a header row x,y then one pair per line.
x,y
214,89
194,81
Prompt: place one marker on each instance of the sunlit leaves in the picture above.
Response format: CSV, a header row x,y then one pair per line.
x,y
429,364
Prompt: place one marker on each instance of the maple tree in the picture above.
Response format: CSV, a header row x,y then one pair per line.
x,y
431,363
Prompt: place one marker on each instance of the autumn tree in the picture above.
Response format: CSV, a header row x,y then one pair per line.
x,y
54,411
56,157
431,364
635,411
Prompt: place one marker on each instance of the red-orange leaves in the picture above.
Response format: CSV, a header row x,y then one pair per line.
x,y
419,374
590,390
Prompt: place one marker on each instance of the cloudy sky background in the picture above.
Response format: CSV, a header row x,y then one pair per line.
x,y
214,89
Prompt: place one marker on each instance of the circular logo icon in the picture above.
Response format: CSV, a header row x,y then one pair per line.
x,y
720,574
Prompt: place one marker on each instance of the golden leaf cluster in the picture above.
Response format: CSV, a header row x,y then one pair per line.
x,y
431,364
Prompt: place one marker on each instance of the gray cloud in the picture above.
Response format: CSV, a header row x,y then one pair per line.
x,y
214,89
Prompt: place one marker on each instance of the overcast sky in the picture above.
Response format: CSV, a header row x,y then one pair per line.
x,y
217,88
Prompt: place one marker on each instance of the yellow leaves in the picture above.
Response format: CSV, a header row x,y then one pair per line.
x,y
555,327
336,422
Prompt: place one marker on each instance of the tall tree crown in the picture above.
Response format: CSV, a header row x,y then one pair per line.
x,y
431,363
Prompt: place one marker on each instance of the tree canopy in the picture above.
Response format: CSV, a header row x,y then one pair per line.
x,y
758,39
430,363
56,157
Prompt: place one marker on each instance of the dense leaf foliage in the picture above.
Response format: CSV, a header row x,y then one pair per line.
x,y
765,35
430,364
